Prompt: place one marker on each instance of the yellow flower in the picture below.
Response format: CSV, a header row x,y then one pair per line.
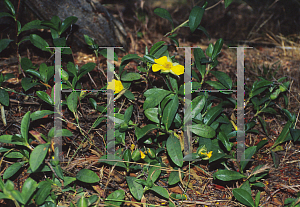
x,y
166,65
115,85
202,152
132,147
142,155
209,154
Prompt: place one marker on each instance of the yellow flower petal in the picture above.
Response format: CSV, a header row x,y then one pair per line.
x,y
156,67
177,69
209,154
142,155
115,85
165,65
162,60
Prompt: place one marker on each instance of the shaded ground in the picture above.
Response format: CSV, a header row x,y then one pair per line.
x,y
282,182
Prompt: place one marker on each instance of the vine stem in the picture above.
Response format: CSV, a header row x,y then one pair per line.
x,y
186,21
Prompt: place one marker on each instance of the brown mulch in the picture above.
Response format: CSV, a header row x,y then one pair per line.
x,y
281,183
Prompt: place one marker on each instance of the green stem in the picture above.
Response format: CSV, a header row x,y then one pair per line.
x,y
179,26
265,106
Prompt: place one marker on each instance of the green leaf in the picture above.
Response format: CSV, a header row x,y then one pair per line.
x,y
25,126
72,102
68,180
59,42
155,47
264,125
209,50
4,43
199,55
35,24
39,42
145,130
27,84
249,152
269,110
170,111
260,84
217,48
246,186
223,78
295,133
225,140
45,97
11,139
128,114
59,172
174,177
28,189
154,96
243,196
4,97
130,76
291,117
117,195
90,41
135,188
38,155
72,69
112,160
128,94
87,176
10,7
67,23
17,196
85,69
163,51
198,104
43,192
152,114
174,150
203,130
82,202
212,114
160,191
163,13
130,57
195,17
40,114
154,172
26,64
11,170
228,175
276,159
257,199
43,72
227,3
149,58
5,14
285,131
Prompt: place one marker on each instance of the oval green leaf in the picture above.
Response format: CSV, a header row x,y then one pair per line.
x,y
72,101
87,176
243,196
195,17
228,175
135,188
38,155
163,13
203,130
131,77
170,111
160,191
174,150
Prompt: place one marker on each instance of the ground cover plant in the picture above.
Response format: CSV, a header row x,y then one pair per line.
x,y
150,122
